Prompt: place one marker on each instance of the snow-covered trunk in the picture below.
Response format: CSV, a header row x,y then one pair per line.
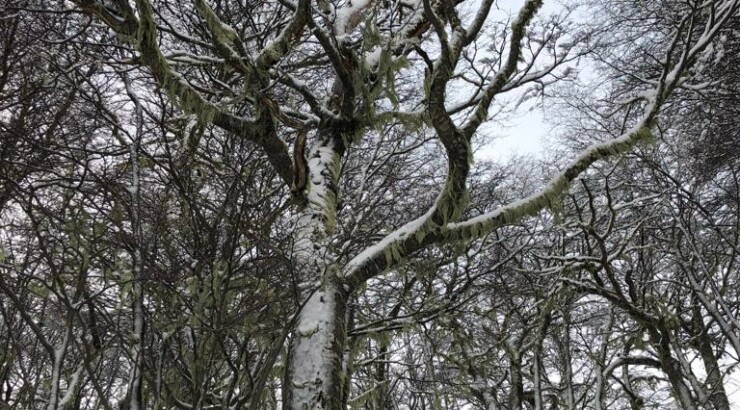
x,y
634,399
598,401
316,373
729,327
137,337
516,393
315,378
537,360
537,382
567,360
59,355
60,351
714,382
538,349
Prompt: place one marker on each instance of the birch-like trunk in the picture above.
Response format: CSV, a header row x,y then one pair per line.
x,y
316,374
567,362
516,392
136,347
60,353
315,377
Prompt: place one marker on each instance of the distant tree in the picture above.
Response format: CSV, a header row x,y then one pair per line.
x,y
649,223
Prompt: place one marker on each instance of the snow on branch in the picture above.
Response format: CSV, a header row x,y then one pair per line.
x,y
620,361
518,27
349,16
545,198
278,48
672,76
144,33
430,229
222,35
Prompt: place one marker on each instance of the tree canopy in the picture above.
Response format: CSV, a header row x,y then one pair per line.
x,y
271,204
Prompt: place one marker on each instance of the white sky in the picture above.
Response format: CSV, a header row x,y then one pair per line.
x,y
525,133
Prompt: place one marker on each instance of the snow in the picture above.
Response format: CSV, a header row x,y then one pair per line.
x,y
312,353
58,356
307,249
559,182
71,388
398,235
403,36
320,160
184,57
372,57
228,29
136,348
313,315
59,353
138,292
346,15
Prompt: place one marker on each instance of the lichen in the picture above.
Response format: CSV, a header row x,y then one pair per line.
x,y
171,82
549,197
222,32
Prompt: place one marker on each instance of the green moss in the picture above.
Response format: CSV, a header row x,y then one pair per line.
x,y
551,198
174,86
220,30
328,207
421,233
392,253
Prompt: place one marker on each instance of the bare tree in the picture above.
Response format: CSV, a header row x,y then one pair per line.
x,y
210,276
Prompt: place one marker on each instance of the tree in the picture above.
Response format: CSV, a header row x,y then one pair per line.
x,y
196,98
630,214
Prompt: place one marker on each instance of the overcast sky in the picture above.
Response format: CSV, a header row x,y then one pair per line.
x,y
526,132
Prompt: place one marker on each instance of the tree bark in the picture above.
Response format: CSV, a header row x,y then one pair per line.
x,y
715,386
315,375
316,371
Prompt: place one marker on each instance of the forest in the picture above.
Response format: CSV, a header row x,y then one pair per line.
x,y
301,204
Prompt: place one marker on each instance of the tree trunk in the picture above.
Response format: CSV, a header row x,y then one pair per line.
x,y
715,386
672,368
316,375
